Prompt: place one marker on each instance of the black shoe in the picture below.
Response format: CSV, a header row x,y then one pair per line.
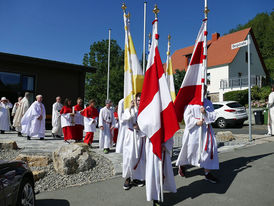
x,y
2,132
53,135
58,136
209,177
127,185
138,183
66,141
156,203
19,134
182,171
28,138
42,138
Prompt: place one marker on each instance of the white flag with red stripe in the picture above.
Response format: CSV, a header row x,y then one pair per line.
x,y
191,89
157,118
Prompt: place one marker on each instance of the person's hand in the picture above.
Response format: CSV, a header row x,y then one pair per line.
x,y
40,117
135,126
72,114
164,148
202,109
200,123
101,128
111,128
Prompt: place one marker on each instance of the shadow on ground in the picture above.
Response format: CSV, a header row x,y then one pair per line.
x,y
227,173
52,202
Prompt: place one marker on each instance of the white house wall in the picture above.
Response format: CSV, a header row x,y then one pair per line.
x,y
239,65
216,74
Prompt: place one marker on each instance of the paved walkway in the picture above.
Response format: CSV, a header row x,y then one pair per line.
x,y
246,174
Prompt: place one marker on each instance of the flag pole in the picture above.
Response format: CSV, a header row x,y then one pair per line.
x,y
109,33
156,10
204,82
144,38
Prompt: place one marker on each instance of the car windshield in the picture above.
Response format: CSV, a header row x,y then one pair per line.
x,y
234,105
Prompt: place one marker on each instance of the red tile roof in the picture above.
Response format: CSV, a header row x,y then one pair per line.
x,y
219,51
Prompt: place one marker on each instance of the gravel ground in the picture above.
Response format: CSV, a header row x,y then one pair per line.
x,y
54,181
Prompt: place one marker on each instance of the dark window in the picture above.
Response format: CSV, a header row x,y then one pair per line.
x,y
234,105
28,83
208,78
9,81
217,106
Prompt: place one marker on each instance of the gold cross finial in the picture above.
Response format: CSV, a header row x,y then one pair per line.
x,y
124,7
156,10
149,35
206,11
169,37
128,15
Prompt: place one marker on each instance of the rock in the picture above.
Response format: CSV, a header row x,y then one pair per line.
x,y
225,136
37,175
35,160
72,158
8,145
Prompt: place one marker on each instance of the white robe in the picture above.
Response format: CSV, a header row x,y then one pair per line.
x,y
5,116
107,120
20,111
78,118
271,113
56,119
90,124
134,154
15,106
122,127
189,154
31,126
153,189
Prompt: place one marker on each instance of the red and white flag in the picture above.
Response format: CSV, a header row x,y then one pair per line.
x,y
191,89
156,118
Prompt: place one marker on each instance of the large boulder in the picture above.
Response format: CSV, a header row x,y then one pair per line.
x,y
72,158
35,160
8,145
225,136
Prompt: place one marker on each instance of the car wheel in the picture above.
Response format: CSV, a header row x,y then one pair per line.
x,y
26,195
221,122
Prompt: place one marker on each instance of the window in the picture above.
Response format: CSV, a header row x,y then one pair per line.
x,y
234,105
28,83
9,81
217,106
188,58
208,78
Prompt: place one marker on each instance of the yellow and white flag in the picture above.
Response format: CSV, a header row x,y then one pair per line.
x,y
169,72
133,74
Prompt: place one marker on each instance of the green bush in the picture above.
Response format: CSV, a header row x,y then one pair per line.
x,y
239,96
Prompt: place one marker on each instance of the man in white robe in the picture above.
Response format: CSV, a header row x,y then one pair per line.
x,y
207,158
56,118
122,127
33,122
20,111
134,156
106,124
15,106
270,106
5,107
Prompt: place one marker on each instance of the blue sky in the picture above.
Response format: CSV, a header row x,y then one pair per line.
x,y
63,30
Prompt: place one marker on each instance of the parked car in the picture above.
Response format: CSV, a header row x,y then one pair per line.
x,y
16,184
229,113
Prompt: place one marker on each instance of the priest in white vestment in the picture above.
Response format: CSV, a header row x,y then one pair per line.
x,y
106,124
56,118
270,106
19,113
123,126
33,122
190,154
134,155
5,107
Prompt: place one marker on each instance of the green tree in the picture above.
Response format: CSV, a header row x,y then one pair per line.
x,y
178,79
263,27
96,83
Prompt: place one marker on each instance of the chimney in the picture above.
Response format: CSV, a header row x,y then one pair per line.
x,y
215,36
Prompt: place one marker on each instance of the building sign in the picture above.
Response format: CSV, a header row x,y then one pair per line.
x,y
239,44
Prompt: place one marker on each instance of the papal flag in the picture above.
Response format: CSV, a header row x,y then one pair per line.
x,y
133,74
169,72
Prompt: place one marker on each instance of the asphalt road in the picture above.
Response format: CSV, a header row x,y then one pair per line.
x,y
246,178
256,129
